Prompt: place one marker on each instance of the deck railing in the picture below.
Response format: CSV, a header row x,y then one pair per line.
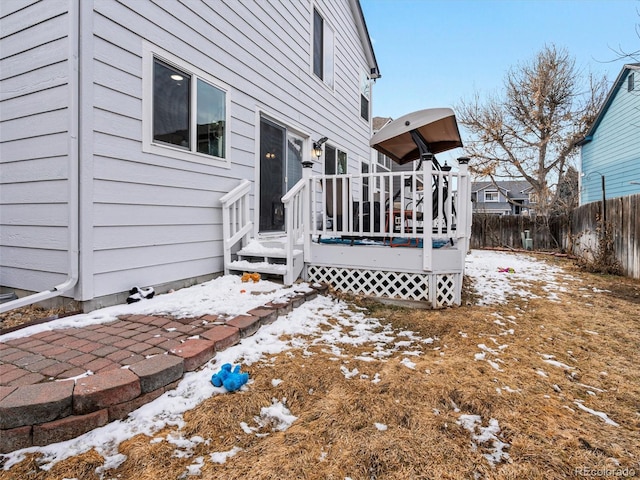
x,y
413,206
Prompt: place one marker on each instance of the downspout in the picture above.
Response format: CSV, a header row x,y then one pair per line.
x,y
73,170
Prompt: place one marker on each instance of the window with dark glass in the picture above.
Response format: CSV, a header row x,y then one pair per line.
x,y
318,44
211,119
365,181
174,122
630,82
335,161
171,105
365,95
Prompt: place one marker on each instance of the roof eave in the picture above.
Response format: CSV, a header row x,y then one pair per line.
x,y
361,24
607,103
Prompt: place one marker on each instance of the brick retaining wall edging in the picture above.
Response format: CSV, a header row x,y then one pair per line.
x,y
50,412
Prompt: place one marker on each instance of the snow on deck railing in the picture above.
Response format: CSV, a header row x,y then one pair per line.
x,y
236,224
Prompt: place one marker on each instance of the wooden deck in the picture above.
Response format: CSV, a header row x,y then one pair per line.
x,y
345,224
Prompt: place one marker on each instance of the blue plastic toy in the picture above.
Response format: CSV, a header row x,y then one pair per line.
x,y
230,379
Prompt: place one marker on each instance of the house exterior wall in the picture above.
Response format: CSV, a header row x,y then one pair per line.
x,y
35,122
149,219
614,149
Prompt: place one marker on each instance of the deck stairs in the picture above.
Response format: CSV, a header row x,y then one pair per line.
x,y
268,257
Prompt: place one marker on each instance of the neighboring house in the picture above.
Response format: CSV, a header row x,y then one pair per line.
x,y
611,148
503,198
124,122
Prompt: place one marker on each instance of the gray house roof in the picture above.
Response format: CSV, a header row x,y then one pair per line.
x,y
516,189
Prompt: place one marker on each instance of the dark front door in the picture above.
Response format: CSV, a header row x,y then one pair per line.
x,y
280,169
272,176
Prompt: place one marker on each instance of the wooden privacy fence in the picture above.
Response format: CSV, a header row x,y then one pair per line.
x,y
578,234
492,231
623,221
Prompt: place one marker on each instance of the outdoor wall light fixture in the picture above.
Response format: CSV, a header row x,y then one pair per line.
x,y
317,147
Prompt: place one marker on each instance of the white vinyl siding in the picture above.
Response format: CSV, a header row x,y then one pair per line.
x,y
151,218
34,125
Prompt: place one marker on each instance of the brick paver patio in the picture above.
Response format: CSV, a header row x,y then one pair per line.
x,y
48,395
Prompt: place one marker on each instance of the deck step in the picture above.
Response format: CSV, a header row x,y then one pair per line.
x,y
266,253
268,257
260,267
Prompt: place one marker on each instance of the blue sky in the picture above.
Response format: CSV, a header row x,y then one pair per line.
x,y
432,53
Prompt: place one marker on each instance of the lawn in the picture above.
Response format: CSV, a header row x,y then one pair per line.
x,y
536,376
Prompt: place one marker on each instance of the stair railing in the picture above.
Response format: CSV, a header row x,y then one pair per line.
x,y
294,208
236,224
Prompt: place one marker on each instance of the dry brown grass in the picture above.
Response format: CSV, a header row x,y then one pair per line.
x,y
335,437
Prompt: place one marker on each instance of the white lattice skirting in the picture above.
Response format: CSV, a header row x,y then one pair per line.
x,y
439,289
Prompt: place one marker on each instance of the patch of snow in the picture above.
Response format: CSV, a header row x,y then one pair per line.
x,y
605,418
485,435
196,467
276,381
277,415
348,373
222,457
381,426
75,379
495,287
555,363
408,363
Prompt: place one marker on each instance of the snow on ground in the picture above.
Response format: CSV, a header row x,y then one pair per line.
x,y
498,275
306,326
487,436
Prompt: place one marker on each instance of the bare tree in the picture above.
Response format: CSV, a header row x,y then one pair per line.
x,y
531,131
633,55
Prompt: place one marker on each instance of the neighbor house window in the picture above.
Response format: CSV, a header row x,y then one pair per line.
x,y
335,161
365,95
185,110
323,39
490,196
630,82
533,198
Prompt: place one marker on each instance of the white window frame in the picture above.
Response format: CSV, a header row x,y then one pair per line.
x,y
491,192
328,50
533,198
149,54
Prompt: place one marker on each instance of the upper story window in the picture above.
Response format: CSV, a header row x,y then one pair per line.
x,y
533,197
323,46
365,95
335,161
630,82
185,110
490,196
